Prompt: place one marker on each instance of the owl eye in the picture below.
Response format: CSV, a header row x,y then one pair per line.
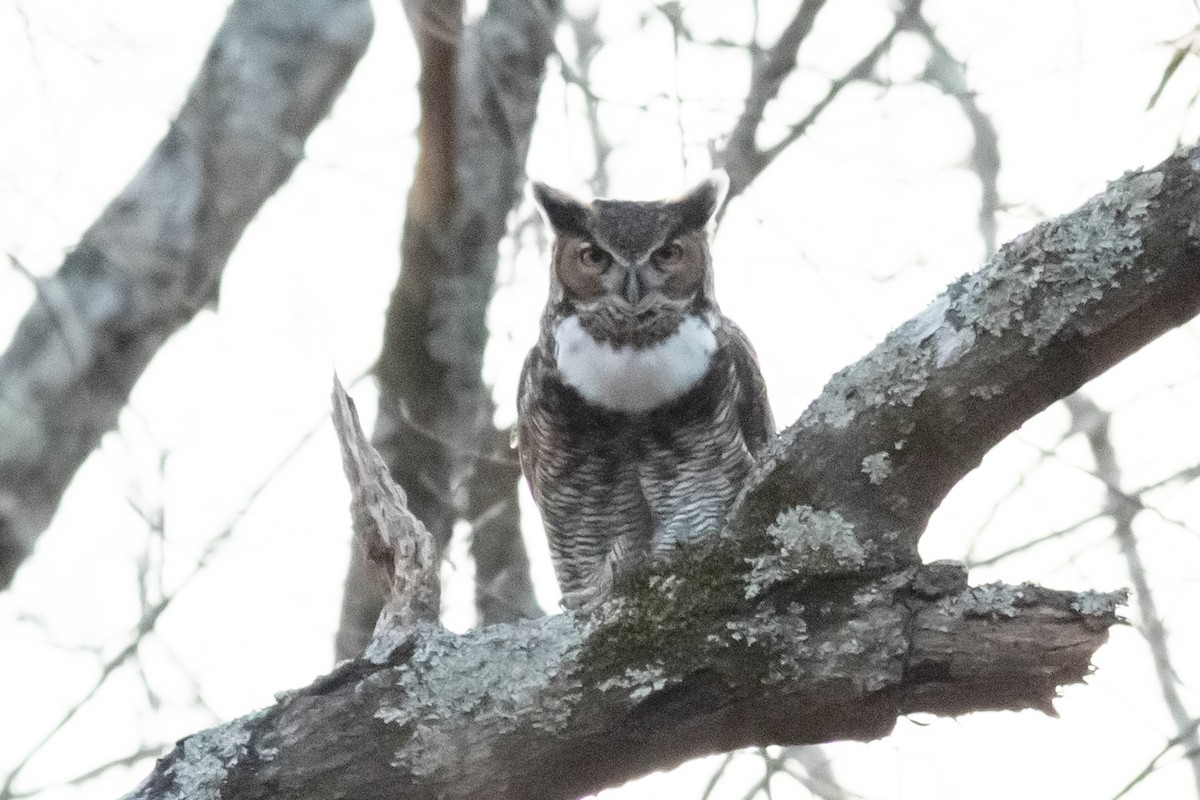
x,y
594,258
668,254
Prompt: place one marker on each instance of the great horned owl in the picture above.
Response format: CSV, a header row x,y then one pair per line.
x,y
641,406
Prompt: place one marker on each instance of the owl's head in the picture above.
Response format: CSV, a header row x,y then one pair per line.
x,y
628,255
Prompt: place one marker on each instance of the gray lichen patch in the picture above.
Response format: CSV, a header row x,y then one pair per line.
x,y
1099,604
1038,283
456,686
640,682
893,374
810,543
877,467
384,643
986,391
818,641
780,635
766,627
934,326
207,758
992,600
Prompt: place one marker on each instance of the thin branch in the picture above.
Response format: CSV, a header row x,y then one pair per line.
x,y
587,46
57,304
718,773
768,73
741,157
818,776
948,74
1094,422
124,761
151,613
1033,543
1185,734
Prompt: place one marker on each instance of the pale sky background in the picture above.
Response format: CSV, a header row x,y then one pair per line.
x,y
851,232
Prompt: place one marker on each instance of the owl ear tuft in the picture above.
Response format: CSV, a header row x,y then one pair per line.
x,y
564,213
697,206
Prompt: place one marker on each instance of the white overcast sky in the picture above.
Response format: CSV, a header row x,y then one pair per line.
x,y
852,231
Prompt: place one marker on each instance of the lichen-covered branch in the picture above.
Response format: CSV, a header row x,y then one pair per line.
x,y
560,707
892,434
155,256
479,88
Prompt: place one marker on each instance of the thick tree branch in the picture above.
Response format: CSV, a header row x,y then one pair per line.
x,y
808,619
892,434
155,256
555,708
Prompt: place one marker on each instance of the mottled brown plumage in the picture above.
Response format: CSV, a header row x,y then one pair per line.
x,y
641,406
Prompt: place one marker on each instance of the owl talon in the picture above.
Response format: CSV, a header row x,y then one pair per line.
x,y
581,599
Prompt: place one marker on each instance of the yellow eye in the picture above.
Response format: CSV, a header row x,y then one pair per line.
x,y
668,254
593,257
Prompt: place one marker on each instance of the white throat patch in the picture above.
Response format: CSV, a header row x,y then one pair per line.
x,y
628,379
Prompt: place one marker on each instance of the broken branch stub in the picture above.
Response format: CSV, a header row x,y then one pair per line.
x,y
390,536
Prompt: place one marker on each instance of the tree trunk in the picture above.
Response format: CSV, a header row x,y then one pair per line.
x,y
155,256
479,90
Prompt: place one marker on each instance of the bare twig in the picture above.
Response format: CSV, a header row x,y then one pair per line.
x,y
587,47
1094,423
948,74
1187,733
153,611
1033,543
124,761
718,773
741,157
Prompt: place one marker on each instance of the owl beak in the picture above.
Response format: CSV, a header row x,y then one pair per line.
x,y
633,287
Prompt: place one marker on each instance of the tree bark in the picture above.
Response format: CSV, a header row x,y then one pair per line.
x,y
155,256
809,618
551,708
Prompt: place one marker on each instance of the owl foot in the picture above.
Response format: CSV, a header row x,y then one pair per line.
x,y
584,599
591,595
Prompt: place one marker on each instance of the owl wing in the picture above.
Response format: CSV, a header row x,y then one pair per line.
x,y
754,410
528,438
